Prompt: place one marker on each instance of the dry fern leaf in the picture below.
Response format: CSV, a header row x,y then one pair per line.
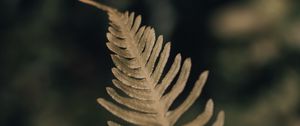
x,y
140,59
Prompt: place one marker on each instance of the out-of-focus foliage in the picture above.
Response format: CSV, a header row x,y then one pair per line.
x,y
261,50
54,63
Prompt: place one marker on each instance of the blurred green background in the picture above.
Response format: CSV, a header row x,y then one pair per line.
x,y
54,63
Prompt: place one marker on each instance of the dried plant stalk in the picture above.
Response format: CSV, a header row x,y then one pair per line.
x,y
140,59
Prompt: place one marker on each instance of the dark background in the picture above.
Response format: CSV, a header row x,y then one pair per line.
x,y
54,63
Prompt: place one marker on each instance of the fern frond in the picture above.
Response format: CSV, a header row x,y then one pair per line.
x,y
140,59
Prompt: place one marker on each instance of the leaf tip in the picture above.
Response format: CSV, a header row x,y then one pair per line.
x,y
188,62
205,74
97,5
100,100
220,119
109,89
210,102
